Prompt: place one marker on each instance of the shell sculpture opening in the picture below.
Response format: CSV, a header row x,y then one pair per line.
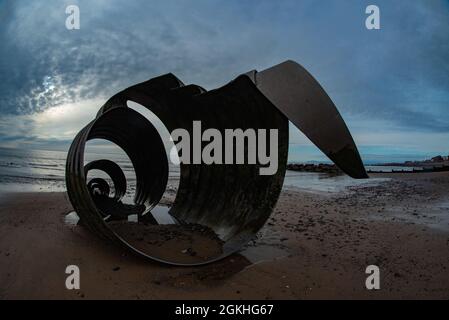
x,y
218,207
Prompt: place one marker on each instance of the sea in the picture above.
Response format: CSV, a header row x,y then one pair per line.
x,y
44,171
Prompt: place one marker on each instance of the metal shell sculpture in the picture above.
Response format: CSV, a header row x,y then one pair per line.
x,y
223,204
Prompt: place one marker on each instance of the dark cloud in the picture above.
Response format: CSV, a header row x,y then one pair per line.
x,y
399,74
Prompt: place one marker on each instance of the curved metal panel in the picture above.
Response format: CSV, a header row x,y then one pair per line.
x,y
304,102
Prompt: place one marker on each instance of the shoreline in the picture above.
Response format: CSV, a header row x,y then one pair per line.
x,y
314,246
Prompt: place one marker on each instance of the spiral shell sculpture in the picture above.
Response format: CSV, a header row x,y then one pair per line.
x,y
218,207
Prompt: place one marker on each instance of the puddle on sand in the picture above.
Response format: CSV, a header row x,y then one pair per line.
x,y
261,253
71,219
160,213
435,216
438,216
317,182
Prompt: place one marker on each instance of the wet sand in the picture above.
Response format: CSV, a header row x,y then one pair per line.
x,y
184,244
315,246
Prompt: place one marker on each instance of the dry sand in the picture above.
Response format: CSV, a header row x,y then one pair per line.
x,y
315,246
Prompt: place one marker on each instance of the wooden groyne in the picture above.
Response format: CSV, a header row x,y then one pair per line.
x,y
428,169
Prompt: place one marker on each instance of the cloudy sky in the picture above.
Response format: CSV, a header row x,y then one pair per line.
x,y
390,85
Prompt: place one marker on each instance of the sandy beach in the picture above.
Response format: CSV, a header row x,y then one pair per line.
x,y
316,245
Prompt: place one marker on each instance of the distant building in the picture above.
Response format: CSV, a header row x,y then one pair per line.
x,y
437,159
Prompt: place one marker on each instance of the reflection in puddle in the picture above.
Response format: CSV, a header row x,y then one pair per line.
x,y
160,213
442,216
71,219
432,215
324,182
261,253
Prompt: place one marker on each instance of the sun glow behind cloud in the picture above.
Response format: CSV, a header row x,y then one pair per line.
x,y
57,124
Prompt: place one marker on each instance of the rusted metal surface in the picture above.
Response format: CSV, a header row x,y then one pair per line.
x,y
232,200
